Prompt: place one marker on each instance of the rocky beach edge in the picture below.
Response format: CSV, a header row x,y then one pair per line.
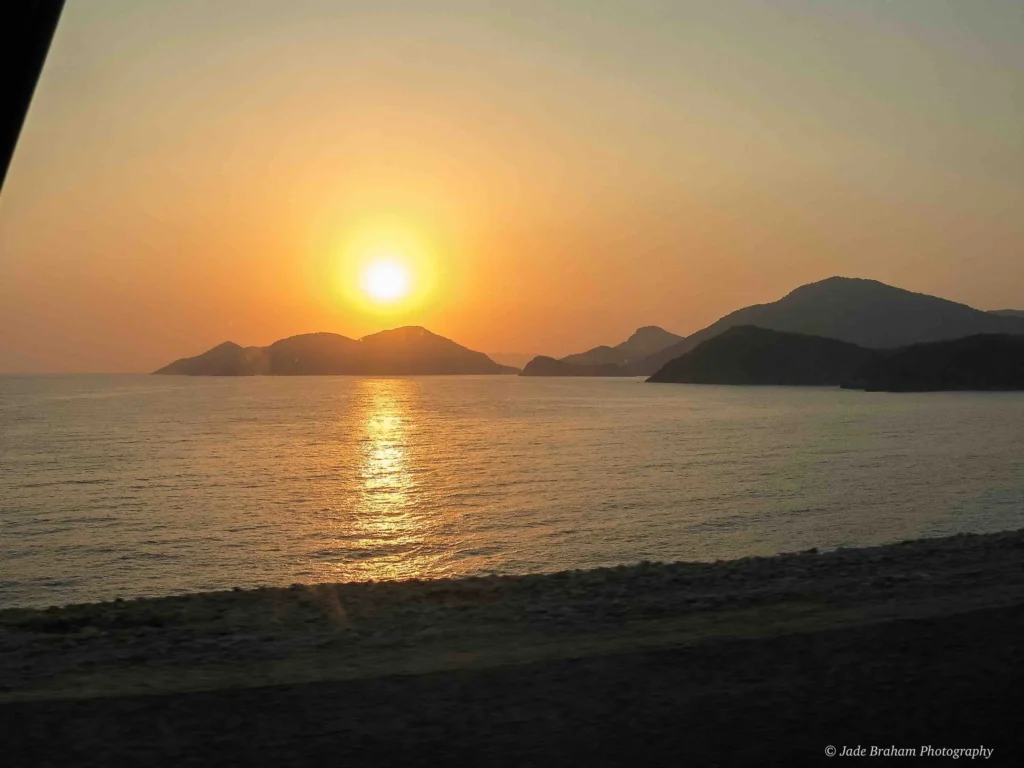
x,y
711,660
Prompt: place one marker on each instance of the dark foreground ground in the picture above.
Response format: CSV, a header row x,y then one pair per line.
x,y
754,662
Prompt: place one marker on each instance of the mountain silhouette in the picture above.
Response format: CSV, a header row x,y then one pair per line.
x,y
549,366
1007,312
227,359
746,354
410,350
644,341
982,362
863,312
313,354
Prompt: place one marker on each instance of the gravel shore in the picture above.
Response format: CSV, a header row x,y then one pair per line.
x,y
754,660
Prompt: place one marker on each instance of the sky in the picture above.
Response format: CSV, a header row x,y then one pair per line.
x,y
553,174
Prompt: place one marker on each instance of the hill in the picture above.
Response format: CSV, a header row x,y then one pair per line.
x,y
549,366
602,355
313,354
227,359
983,362
863,312
1007,312
410,350
644,341
749,355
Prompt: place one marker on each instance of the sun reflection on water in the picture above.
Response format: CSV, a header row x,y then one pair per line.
x,y
386,469
386,483
389,519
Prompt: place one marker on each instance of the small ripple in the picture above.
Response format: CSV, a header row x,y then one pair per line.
x,y
361,554
147,556
478,552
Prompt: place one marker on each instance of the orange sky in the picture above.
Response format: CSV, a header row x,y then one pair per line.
x,y
193,172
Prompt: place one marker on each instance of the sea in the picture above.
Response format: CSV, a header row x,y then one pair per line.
x,y
123,486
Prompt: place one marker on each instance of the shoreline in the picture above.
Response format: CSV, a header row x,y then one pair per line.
x,y
203,641
762,660
158,595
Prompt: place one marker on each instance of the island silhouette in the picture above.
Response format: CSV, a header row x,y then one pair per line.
x,y
410,350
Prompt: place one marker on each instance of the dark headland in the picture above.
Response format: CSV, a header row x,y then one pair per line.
x,y
751,355
986,362
403,351
760,661
746,354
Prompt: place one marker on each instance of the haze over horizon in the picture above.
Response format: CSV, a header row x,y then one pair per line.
x,y
553,175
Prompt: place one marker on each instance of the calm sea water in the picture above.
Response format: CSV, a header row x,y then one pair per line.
x,y
137,485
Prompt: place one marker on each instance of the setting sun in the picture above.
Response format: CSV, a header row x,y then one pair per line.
x,y
386,281
387,265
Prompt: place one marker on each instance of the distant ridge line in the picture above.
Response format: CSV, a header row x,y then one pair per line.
x,y
859,311
409,350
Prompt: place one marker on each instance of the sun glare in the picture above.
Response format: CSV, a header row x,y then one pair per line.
x,y
387,268
386,281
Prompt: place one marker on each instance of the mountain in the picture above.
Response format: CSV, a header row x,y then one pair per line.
x,y
312,354
227,359
549,366
1007,312
408,350
746,354
602,355
863,312
982,362
644,341
415,350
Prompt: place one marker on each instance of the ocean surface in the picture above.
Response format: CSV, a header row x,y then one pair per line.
x,y
118,486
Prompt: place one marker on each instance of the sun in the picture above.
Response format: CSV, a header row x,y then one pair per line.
x,y
386,281
387,269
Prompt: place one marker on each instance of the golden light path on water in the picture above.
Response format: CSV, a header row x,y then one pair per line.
x,y
388,522
387,515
